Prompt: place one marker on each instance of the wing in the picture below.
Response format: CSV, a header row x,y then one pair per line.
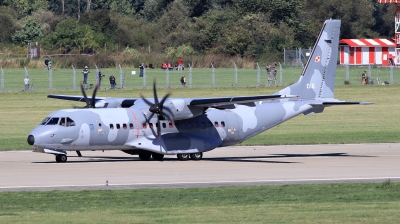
x,y
100,101
224,101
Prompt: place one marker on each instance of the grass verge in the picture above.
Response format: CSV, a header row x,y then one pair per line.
x,y
313,203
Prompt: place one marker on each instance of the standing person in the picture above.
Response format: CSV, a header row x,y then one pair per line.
x,y
46,62
85,72
268,68
49,65
112,81
180,64
99,77
183,80
26,81
141,68
275,64
364,78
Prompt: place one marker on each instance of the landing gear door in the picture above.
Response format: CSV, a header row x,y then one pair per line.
x,y
231,126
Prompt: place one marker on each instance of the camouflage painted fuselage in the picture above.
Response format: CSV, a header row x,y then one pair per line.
x,y
126,128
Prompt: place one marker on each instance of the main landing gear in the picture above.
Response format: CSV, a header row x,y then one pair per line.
x,y
145,156
193,156
61,158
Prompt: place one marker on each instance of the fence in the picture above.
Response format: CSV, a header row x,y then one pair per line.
x,y
128,78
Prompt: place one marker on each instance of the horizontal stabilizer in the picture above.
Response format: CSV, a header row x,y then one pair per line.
x,y
339,103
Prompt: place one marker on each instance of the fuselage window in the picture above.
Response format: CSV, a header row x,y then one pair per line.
x,y
209,124
196,125
131,126
144,125
70,122
151,125
157,125
45,121
183,125
91,126
62,121
124,126
222,124
216,124
118,126
170,125
53,121
164,125
190,125
111,126
203,124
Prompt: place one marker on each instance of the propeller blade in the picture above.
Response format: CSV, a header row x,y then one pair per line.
x,y
93,101
155,92
145,100
84,95
164,99
158,129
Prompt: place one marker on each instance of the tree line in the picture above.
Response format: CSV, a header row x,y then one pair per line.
x,y
257,29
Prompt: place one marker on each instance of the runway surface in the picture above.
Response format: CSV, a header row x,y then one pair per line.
x,y
239,165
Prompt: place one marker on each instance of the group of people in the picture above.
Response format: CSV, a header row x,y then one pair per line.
x,y
99,77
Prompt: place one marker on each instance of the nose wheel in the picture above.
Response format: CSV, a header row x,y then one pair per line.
x,y
61,158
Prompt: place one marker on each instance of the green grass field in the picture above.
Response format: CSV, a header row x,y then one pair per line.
x,y
327,203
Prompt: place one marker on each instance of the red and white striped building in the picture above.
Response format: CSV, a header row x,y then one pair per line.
x,y
367,52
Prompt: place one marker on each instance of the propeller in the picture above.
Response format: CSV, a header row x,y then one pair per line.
x,y
157,108
90,103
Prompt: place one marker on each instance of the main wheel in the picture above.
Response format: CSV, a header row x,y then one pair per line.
x,y
144,156
157,156
183,156
196,156
61,158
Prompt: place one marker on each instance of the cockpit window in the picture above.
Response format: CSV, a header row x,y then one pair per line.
x,y
53,121
70,122
45,121
62,121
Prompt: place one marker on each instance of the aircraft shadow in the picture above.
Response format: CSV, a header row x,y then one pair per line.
x,y
242,159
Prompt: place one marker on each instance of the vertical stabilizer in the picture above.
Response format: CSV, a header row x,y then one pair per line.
x,y
318,77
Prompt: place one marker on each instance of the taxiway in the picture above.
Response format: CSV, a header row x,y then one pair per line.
x,y
239,165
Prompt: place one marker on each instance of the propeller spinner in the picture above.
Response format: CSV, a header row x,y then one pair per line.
x,y
158,108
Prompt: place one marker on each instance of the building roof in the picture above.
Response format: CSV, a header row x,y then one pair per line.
x,y
367,42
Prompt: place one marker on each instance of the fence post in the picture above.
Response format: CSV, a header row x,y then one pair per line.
x,y
258,74
50,79
391,74
284,56
2,79
236,74
299,58
144,78
121,78
190,75
97,75
167,78
212,75
280,73
347,72
369,74
73,78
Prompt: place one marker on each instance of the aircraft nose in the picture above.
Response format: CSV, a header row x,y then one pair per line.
x,y
31,140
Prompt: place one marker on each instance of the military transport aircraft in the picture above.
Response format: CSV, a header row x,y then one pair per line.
x,y
188,127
